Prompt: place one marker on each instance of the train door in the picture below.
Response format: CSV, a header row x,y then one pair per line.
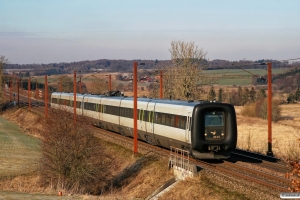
x,y
142,108
84,111
101,109
188,128
150,122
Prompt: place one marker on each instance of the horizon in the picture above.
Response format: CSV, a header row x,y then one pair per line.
x,y
35,32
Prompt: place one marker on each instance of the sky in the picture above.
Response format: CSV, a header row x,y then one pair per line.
x,y
53,31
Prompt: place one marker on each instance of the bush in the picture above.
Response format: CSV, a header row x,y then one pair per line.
x,y
72,156
260,109
248,110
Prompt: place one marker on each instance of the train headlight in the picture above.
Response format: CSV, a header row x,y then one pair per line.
x,y
205,134
222,134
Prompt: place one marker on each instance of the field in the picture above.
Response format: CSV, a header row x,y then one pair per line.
x,y
225,77
238,76
253,133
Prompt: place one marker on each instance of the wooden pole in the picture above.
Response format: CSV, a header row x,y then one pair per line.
x,y
135,134
109,82
19,92
80,85
10,89
74,96
36,89
29,102
269,152
161,85
60,87
46,97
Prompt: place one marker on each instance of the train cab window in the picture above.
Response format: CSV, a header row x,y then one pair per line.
x,y
214,119
78,104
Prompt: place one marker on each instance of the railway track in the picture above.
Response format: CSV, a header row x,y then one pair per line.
x,y
233,169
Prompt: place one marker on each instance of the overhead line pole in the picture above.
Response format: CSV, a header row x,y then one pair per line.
x,y
29,102
109,82
161,85
80,85
60,87
135,135
46,97
18,92
10,89
74,97
269,152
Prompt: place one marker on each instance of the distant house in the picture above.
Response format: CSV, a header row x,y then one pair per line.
x,y
94,69
147,79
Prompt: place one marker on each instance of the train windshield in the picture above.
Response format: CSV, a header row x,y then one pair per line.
x,y
214,119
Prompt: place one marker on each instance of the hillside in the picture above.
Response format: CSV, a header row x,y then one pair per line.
x,y
151,173
107,65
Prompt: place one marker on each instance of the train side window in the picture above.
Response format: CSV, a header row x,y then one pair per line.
x,y
96,107
71,103
163,118
146,115
54,100
172,120
167,119
121,112
158,118
183,122
117,110
176,122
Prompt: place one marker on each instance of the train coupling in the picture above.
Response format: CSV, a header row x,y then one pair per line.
x,y
214,148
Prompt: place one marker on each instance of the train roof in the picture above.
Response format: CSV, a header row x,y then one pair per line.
x,y
140,99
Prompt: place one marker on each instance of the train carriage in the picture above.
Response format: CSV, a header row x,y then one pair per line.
x,y
205,129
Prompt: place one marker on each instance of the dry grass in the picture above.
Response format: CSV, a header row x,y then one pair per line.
x,y
154,171
285,132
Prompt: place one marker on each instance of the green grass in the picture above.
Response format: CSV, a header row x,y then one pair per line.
x,y
238,76
26,196
19,153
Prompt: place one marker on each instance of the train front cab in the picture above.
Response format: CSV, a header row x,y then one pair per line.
x,y
214,131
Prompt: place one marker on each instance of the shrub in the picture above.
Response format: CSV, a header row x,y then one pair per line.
x,y
260,109
248,110
72,157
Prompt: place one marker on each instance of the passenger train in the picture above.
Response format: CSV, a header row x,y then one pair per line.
x,y
208,130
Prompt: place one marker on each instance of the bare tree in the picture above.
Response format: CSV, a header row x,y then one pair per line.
x,y
73,158
3,61
67,84
185,78
98,86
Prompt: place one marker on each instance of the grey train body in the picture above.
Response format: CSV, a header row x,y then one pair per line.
x,y
207,130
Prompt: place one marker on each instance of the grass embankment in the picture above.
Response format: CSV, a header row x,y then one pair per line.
x,y
130,177
19,152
